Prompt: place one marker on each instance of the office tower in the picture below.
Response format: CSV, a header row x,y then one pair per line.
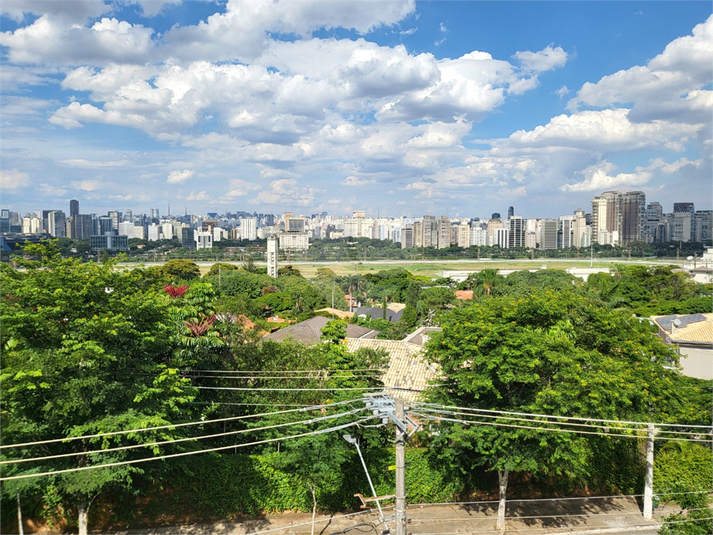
x,y
105,226
115,219
565,226
683,207
511,211
517,230
549,234
56,224
154,213
73,207
188,237
502,237
633,215
83,226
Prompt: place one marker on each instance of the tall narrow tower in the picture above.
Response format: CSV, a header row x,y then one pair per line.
x,y
272,256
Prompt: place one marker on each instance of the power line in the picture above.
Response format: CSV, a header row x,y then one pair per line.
x,y
185,453
287,371
185,439
282,378
171,426
576,424
266,389
552,416
496,424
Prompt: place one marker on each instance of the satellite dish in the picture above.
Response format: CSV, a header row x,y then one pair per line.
x,y
677,322
689,258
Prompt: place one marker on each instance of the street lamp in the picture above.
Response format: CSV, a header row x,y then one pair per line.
x,y
353,440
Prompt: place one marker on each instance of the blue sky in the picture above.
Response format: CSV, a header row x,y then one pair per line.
x,y
401,107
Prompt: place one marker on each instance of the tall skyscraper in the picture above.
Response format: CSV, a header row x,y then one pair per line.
x,y
633,215
511,211
73,208
517,230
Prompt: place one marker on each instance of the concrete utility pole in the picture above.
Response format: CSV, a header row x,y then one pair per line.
x,y
393,409
649,483
400,472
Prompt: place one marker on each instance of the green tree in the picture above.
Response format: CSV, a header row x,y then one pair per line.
x,y
87,350
220,268
181,269
548,353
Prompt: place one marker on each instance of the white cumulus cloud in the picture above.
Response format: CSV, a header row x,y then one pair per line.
x,y
174,177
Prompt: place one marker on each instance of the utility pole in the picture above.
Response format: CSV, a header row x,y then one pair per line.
x,y
400,472
649,482
393,409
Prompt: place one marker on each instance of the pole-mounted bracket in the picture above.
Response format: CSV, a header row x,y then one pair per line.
x,y
385,406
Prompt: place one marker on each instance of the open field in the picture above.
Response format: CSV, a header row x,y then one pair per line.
x,y
432,268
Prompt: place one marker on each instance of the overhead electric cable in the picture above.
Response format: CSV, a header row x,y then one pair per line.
x,y
184,439
185,453
553,416
171,426
577,431
576,424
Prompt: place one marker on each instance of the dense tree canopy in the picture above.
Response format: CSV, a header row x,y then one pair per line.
x,y
87,349
547,353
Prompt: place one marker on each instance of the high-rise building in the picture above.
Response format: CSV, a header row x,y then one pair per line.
x,y
248,228
517,231
703,226
463,239
57,224
565,237
73,207
606,217
511,211
115,219
407,234
633,216
502,237
683,207
272,257
444,232
188,237
549,234
580,230
154,213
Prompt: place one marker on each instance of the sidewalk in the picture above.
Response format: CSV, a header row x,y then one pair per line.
x,y
586,516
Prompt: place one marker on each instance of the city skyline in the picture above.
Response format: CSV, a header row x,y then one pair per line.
x,y
392,107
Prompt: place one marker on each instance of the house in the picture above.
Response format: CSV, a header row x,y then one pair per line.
x,y
309,332
408,374
692,334
377,313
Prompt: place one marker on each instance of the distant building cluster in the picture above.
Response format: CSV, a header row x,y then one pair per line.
x,y
616,218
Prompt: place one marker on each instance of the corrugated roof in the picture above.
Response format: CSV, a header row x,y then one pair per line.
x,y
692,328
407,369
